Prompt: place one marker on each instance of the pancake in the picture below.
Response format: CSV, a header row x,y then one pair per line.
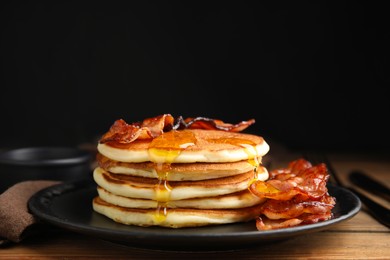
x,y
240,199
178,171
174,218
188,146
147,188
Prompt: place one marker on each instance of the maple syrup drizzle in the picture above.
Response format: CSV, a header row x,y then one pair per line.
x,y
163,150
249,148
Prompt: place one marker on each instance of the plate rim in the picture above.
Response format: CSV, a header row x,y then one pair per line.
x,y
40,205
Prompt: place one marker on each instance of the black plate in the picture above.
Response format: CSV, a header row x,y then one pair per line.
x,y
69,206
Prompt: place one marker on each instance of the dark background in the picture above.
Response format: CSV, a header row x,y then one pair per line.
x,y
314,74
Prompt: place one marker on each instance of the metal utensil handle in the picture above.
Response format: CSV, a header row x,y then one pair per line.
x,y
379,212
367,183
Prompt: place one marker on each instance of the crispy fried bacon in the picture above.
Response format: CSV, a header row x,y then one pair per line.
x,y
299,178
285,209
296,195
212,124
121,132
268,224
264,223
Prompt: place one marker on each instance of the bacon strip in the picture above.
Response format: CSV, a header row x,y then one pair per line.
x,y
121,132
278,209
264,223
268,224
214,124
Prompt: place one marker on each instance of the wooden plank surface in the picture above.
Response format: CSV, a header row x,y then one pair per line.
x,y
331,244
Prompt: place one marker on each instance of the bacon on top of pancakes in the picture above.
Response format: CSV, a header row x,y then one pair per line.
x,y
123,132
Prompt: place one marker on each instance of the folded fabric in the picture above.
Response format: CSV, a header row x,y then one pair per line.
x,y
14,214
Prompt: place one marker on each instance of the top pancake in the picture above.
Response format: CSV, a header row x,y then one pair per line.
x,y
179,171
189,146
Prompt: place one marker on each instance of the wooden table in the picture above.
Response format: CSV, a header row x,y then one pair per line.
x,y
358,238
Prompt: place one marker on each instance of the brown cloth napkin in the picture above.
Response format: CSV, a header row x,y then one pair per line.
x,y
14,214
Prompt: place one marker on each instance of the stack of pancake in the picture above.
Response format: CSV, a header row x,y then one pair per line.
x,y
181,178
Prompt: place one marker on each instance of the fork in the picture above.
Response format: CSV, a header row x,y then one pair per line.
x,y
380,213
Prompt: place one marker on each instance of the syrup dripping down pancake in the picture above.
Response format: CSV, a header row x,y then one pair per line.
x,y
145,188
241,199
175,217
